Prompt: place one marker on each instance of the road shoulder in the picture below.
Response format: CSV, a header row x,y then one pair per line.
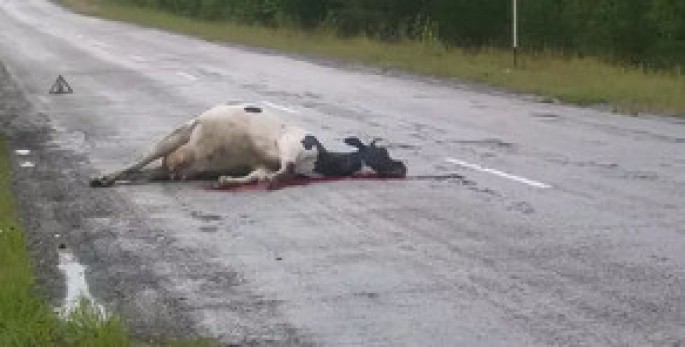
x,y
57,208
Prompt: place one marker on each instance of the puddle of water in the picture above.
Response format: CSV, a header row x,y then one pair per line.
x,y
23,152
77,287
27,164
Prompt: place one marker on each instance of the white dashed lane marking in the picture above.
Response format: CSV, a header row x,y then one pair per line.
x,y
282,108
187,76
100,44
136,58
519,179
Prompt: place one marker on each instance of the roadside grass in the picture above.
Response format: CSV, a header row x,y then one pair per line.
x,y
584,81
26,317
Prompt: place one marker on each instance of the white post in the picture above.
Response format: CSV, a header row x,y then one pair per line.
x,y
514,24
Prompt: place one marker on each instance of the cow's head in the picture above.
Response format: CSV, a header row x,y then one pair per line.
x,y
378,159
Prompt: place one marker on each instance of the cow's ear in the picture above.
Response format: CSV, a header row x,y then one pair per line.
x,y
354,142
309,141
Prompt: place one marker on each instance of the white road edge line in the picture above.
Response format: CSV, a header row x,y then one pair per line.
x,y
187,75
283,108
519,179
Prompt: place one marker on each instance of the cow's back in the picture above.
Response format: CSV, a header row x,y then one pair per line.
x,y
230,140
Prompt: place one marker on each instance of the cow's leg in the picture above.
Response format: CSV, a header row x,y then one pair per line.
x,y
258,175
170,143
275,179
283,175
289,148
158,173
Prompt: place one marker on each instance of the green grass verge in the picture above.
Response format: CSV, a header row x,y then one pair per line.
x,y
584,81
26,318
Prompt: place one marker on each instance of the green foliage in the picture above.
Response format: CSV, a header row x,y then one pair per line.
x,y
88,325
21,313
571,78
645,33
26,318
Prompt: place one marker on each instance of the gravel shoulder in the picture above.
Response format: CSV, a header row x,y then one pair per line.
x,y
57,209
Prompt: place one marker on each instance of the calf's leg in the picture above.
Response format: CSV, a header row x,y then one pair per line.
x,y
290,147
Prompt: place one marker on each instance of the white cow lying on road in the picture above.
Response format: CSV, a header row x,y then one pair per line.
x,y
242,144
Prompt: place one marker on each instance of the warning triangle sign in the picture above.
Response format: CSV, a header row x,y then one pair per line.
x,y
61,86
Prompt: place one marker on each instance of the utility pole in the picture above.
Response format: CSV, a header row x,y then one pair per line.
x,y
514,31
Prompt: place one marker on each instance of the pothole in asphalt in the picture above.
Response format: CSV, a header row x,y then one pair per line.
x,y
521,206
604,165
205,217
209,229
368,295
401,146
546,116
486,191
450,178
492,143
640,175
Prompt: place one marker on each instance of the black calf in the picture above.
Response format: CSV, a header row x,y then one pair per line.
x,y
333,163
347,164
378,159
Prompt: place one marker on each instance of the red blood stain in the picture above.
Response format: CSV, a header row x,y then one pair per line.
x,y
301,181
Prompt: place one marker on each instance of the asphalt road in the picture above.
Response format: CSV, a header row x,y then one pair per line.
x,y
567,230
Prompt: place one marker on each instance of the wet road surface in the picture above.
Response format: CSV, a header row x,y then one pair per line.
x,y
567,228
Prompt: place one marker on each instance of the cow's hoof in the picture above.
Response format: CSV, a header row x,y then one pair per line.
x,y
101,182
274,184
226,182
225,185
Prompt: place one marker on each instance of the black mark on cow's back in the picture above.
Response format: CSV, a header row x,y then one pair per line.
x,y
252,109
